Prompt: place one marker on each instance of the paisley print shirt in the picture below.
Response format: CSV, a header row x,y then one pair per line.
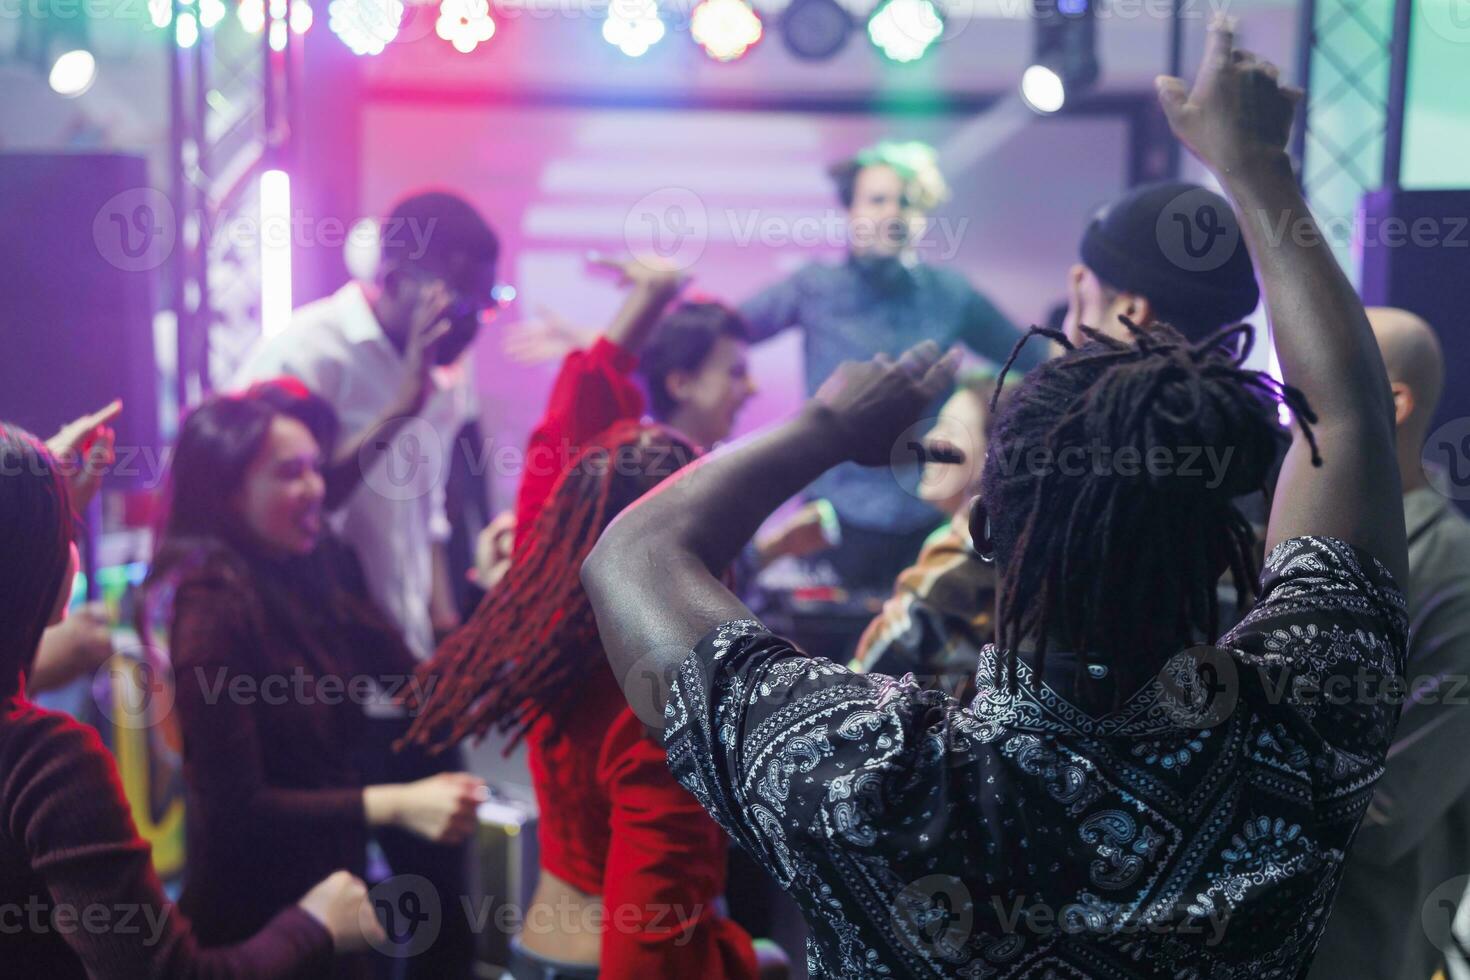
x,y
1195,831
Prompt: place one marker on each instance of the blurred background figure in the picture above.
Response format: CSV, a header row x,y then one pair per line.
x,y
1415,837
880,299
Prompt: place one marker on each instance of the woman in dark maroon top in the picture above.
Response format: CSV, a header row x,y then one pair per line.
x,y
78,895
276,650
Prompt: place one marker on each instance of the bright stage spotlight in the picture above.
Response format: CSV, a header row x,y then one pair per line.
x,y
365,26
633,26
186,29
275,251
1043,89
725,28
251,14
211,12
301,16
815,30
904,29
73,73
466,24
1065,61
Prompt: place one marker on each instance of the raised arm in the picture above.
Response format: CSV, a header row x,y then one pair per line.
x,y
987,332
1236,118
594,388
773,309
652,578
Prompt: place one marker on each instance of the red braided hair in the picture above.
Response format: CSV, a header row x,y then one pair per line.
x,y
518,658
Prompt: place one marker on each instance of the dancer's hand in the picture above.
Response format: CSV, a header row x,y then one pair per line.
x,y
440,808
868,404
659,277
339,903
84,450
1237,113
545,338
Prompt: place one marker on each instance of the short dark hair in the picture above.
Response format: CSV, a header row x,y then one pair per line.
x,y
426,229
681,342
35,549
844,175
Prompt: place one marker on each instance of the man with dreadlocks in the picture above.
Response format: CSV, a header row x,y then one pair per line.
x,y
631,866
1115,801
1135,265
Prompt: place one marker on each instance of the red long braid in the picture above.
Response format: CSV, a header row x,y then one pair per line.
x,y
518,658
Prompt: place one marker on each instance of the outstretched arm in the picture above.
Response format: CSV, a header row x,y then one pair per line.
x,y
652,577
1236,119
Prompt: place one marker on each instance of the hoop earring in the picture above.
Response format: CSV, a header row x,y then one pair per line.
x,y
985,548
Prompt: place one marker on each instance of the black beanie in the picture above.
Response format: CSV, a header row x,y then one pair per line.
x,y
1177,245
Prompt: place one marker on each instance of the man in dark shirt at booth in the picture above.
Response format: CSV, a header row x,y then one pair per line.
x,y
881,299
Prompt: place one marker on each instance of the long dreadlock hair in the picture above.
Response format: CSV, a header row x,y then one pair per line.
x,y
529,648
1120,559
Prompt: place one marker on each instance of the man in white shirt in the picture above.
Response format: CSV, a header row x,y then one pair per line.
x,y
361,350
385,355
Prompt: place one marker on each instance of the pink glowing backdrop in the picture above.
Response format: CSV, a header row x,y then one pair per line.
x,y
751,190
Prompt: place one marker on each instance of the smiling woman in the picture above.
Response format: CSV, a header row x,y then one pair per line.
x,y
272,637
78,893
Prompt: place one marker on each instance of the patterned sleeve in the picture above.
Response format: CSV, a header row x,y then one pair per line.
x,y
791,753
1325,643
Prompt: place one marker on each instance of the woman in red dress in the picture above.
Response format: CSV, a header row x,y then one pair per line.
x,y
631,868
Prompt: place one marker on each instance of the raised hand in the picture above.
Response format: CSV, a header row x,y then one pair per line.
x,y
84,450
657,276
1237,112
871,403
545,338
428,328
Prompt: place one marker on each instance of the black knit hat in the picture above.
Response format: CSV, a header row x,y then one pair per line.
x,y
1177,245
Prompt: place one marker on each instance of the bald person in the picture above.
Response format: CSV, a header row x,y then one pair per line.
x,y
1399,894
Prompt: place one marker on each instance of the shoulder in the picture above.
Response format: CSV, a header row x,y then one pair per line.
x,y
43,750
946,279
214,596
315,338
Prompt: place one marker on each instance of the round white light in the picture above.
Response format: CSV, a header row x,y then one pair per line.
x,y
725,28
904,29
1043,89
365,26
73,73
633,26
